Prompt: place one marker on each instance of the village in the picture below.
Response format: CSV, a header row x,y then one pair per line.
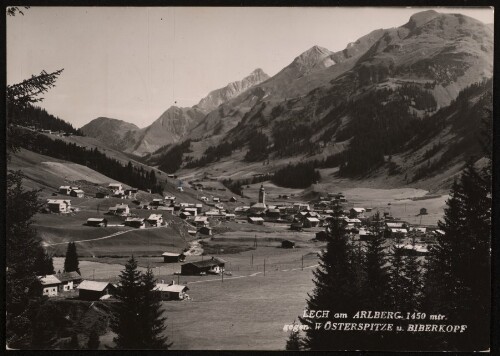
x,y
216,219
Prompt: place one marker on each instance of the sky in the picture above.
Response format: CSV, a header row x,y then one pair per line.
x,y
133,63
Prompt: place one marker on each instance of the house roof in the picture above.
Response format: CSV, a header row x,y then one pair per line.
x,y
176,288
58,201
394,224
121,206
313,219
207,263
359,210
255,218
93,285
68,276
155,217
186,213
135,219
172,254
78,191
96,219
64,187
49,279
114,185
404,231
200,218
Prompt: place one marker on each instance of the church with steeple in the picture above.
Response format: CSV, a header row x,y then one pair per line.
x,y
260,207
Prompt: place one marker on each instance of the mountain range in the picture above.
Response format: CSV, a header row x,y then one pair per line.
x,y
364,103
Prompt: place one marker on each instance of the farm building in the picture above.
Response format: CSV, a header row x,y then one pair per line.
x,y
287,244
115,187
214,265
50,285
185,215
59,205
216,200
357,212
135,222
230,216
155,219
192,211
311,222
122,209
66,189
233,199
97,222
101,195
131,193
69,280
205,230
169,257
255,220
201,221
77,193
171,291
93,290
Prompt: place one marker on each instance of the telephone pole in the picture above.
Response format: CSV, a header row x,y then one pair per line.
x,y
264,266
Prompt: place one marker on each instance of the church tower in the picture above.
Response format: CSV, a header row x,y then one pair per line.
x,y
262,195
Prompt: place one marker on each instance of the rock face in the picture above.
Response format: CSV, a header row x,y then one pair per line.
x,y
222,95
115,133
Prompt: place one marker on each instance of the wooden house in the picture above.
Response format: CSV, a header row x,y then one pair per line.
x,y
97,222
50,285
77,193
59,205
101,195
205,230
214,265
93,290
155,219
171,291
256,220
138,223
69,280
172,257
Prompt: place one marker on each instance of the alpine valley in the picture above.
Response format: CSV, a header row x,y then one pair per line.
x,y
398,107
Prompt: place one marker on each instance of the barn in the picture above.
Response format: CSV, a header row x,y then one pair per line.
x,y
171,291
97,222
93,290
287,244
135,222
214,265
77,193
172,257
256,220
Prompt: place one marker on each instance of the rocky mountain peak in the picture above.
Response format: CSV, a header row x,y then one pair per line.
x,y
421,18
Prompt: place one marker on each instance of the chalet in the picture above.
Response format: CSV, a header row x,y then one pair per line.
x,y
201,221
77,193
101,195
214,265
192,232
255,220
169,209
301,207
287,244
364,234
50,285
171,291
205,230
171,257
394,225
122,209
273,213
204,199
157,202
93,290
184,205
155,219
115,187
69,280
423,211
216,200
230,216
170,198
192,211
352,222
135,222
131,193
198,207
185,215
241,210
233,200
214,214
118,194
59,205
398,231
357,212
64,189
97,222
311,222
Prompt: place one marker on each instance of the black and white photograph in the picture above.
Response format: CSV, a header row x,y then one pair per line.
x,y
249,178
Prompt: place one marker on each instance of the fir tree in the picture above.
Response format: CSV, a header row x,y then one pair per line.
x,y
93,341
396,293
412,283
44,263
128,309
71,260
335,290
293,343
152,321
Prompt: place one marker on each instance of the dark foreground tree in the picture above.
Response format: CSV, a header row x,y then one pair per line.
x,y
71,260
128,318
153,324
44,263
293,343
336,290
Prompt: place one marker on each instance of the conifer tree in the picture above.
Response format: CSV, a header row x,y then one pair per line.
x,y
294,342
71,260
152,321
412,283
396,277
335,290
44,263
128,310
376,275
